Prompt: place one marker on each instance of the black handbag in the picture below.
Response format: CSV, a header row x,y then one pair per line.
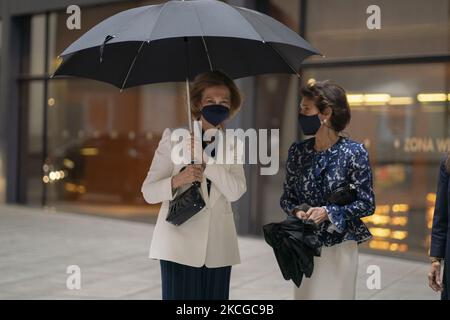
x,y
343,195
185,205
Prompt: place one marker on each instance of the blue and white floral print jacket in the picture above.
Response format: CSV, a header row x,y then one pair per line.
x,y
312,175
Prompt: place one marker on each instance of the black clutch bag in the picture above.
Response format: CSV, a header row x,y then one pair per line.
x,y
185,205
343,195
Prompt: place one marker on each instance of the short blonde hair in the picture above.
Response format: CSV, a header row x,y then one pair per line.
x,y
212,79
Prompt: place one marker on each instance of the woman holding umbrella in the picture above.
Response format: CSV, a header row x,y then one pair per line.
x,y
196,257
440,245
315,170
172,42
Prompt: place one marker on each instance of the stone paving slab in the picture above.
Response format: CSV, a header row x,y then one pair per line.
x,y
37,246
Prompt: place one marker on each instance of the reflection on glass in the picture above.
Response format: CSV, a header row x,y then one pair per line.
x,y
388,227
101,143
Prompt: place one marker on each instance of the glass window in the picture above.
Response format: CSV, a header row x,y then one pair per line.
x,y
2,150
60,37
338,28
37,45
100,142
2,177
402,114
275,108
32,99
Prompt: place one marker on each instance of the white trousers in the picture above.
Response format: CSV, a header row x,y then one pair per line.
x,y
334,275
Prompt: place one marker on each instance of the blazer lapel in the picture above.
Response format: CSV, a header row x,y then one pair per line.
x,y
214,195
205,191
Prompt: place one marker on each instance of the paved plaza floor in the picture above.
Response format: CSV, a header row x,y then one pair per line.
x,y
37,246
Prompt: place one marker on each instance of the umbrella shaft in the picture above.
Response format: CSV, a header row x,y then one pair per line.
x,y
188,97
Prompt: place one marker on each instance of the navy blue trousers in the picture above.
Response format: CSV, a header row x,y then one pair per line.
x,y
182,282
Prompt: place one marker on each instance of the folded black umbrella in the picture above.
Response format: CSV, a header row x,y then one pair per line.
x,y
295,244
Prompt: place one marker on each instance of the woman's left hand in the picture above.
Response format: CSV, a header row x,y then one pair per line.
x,y
317,214
434,277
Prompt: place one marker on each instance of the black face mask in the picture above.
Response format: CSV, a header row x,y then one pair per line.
x,y
215,113
309,124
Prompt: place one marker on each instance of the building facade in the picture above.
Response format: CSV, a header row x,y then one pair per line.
x,y
81,145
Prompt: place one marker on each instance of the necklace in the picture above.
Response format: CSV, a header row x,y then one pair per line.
x,y
316,148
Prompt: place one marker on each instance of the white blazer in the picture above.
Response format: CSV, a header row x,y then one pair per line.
x,y
209,237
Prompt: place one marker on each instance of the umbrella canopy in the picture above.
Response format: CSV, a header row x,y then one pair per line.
x,y
295,243
177,40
